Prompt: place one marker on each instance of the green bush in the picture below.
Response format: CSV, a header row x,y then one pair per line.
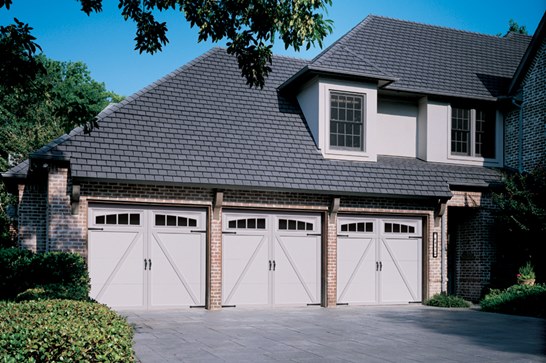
x,y
55,291
518,300
447,301
21,270
63,330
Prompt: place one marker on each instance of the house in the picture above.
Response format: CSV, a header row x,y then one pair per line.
x,y
339,182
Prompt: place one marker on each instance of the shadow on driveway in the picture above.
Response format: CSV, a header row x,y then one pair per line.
x,y
410,333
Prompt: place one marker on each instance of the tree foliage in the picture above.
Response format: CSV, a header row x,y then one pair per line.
x,y
56,101
514,27
37,111
521,223
18,48
249,26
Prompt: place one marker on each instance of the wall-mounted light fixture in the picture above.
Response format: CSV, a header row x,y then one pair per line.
x,y
435,244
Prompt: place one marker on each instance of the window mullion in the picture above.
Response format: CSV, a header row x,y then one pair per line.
x,y
472,132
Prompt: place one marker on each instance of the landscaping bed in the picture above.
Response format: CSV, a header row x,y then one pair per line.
x,y
46,314
529,300
63,330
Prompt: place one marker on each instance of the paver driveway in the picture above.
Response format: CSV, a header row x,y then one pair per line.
x,y
412,333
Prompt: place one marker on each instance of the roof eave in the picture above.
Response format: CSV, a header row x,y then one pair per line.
x,y
310,71
528,57
444,196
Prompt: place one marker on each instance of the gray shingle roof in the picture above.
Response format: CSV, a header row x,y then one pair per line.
x,y
427,59
201,125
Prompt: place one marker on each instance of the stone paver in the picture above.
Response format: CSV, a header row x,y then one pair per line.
x,y
411,333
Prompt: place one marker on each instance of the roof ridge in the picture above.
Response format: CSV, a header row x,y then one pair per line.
x,y
109,110
113,107
348,49
341,39
441,27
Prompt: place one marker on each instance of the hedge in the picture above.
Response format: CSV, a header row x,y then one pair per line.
x,y
63,330
447,301
518,300
54,274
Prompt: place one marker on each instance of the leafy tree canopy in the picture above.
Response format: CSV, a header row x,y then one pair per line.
x,y
34,112
57,100
249,26
514,27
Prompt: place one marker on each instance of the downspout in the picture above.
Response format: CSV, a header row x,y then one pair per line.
x,y
443,254
520,133
443,245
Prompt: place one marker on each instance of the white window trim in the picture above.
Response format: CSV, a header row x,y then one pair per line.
x,y
369,92
477,160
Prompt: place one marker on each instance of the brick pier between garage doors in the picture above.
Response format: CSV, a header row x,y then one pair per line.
x,y
165,246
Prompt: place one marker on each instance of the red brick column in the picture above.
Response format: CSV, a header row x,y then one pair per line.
x,y
331,260
215,258
65,232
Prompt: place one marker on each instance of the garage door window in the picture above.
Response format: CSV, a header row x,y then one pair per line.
x,y
174,221
118,219
357,227
398,228
247,223
294,225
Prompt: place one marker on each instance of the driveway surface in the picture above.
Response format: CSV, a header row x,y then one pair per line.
x,y
411,333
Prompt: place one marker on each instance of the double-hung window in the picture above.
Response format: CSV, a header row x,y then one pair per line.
x,y
347,121
473,132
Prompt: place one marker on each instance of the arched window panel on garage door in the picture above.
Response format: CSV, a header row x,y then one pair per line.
x,y
119,219
247,223
400,228
173,220
357,227
294,225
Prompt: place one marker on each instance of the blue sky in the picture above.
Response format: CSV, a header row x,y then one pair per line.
x,y
105,41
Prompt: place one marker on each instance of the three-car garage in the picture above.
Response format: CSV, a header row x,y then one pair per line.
x,y
156,257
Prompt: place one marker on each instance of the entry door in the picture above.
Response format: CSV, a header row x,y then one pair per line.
x,y
271,259
143,258
379,260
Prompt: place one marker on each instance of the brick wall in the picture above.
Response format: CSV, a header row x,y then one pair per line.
x,y
534,117
32,210
470,225
68,232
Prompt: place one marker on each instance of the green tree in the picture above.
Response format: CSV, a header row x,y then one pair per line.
x,y
521,223
37,111
514,27
250,26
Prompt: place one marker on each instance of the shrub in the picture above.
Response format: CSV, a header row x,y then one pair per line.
x,y
21,270
55,291
63,330
447,301
518,300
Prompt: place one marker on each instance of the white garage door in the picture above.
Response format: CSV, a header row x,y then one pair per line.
x,y
271,259
144,258
379,260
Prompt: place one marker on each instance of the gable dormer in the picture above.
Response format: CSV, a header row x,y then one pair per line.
x,y
341,116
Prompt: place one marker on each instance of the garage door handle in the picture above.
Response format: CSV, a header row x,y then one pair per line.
x,y
269,265
274,265
376,266
380,266
95,229
343,235
229,232
314,234
198,231
150,263
145,265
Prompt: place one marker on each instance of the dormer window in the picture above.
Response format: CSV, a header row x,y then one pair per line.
x,y
473,132
347,121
